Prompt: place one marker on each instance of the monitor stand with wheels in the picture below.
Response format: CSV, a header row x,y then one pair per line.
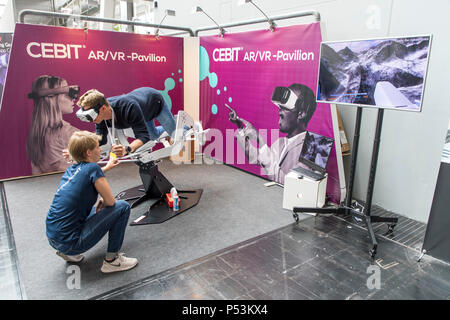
x,y
349,208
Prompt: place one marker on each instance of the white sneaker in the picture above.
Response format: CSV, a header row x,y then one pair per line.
x,y
77,258
121,263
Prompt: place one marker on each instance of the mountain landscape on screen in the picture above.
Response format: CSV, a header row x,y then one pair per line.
x,y
385,73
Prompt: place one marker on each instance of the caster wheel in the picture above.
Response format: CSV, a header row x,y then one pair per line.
x,y
295,215
372,253
391,228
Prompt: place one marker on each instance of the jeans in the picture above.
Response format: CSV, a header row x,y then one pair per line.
x,y
166,120
113,219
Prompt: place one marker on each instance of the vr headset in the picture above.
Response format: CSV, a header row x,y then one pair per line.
x,y
284,97
91,114
72,91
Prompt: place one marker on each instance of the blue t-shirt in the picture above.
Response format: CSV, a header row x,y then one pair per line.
x,y
73,202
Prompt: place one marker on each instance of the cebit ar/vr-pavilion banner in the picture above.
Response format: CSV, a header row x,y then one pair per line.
x,y
258,90
50,67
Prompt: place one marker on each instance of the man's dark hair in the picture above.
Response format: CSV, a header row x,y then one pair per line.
x,y
306,100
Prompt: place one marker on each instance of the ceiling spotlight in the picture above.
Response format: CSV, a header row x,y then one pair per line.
x,y
168,13
242,2
198,9
271,23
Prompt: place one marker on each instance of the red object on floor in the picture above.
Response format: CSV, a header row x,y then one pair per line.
x,y
169,200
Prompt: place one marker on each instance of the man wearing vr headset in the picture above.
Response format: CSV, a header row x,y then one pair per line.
x,y
135,110
296,105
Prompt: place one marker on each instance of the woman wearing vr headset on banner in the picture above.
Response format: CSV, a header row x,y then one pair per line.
x,y
49,134
296,105
136,110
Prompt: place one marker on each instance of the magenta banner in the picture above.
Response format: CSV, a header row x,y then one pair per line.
x,y
111,62
258,90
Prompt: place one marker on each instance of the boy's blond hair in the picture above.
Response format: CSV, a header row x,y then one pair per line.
x,y
80,142
92,98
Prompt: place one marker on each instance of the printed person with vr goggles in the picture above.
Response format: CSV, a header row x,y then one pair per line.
x,y
49,134
136,110
296,105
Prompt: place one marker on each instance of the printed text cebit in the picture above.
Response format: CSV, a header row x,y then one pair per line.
x,y
233,54
53,50
72,51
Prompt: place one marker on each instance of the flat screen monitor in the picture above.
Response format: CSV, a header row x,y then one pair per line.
x,y
381,73
316,151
